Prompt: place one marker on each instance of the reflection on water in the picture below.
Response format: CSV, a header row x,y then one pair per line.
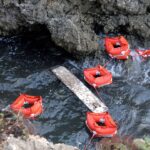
x,y
25,67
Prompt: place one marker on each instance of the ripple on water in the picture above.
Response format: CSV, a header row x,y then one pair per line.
x,y
25,67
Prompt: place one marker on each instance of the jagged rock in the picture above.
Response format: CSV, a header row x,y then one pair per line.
x,y
66,30
33,143
71,37
129,7
16,134
72,23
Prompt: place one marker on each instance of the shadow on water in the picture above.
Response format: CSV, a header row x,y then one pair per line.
x,y
25,64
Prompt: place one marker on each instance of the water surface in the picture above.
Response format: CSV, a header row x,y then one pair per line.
x,y
25,68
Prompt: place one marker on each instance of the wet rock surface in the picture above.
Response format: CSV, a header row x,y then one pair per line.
x,y
73,24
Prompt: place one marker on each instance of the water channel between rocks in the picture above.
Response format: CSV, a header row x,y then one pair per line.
x,y
25,68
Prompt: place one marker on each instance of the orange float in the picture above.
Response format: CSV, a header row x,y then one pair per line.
x,y
34,105
101,124
117,47
144,53
98,76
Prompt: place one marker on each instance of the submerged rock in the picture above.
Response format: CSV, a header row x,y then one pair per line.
x,y
73,24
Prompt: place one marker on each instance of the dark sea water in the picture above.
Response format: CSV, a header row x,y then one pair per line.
x,y
25,67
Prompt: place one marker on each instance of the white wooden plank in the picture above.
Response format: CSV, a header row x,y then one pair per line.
x,y
79,89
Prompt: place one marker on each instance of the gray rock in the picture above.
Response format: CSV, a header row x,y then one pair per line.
x,y
142,144
69,35
16,133
72,23
66,30
33,143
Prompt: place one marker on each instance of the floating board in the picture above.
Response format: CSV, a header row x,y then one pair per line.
x,y
79,89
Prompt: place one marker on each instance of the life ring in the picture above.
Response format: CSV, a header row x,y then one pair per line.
x,y
144,53
35,105
106,128
117,47
98,76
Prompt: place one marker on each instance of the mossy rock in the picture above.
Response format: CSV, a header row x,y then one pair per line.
x,y
108,144
142,144
12,124
115,146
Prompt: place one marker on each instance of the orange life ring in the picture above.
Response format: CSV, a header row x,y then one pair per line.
x,y
104,78
108,127
121,51
144,53
34,110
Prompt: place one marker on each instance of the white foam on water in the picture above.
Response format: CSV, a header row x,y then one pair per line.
x,y
116,70
146,76
135,56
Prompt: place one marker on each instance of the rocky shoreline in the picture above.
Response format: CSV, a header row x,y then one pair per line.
x,y
74,25
33,143
16,133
